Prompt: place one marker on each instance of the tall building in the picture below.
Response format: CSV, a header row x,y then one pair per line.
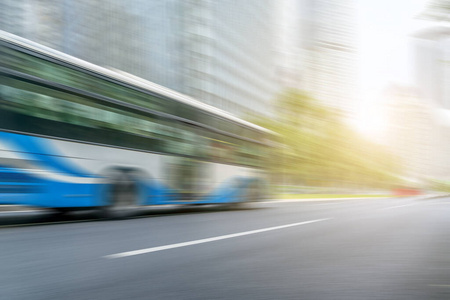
x,y
328,51
432,64
412,134
289,66
219,52
40,20
228,52
417,135
419,117
432,80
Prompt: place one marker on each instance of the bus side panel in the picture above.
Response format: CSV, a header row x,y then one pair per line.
x,y
232,182
56,173
221,183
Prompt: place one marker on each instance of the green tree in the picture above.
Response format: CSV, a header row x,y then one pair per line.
x,y
437,10
315,147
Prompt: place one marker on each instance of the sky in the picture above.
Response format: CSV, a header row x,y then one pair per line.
x,y
383,36
384,44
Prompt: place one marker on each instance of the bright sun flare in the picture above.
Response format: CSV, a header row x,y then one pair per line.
x,y
370,123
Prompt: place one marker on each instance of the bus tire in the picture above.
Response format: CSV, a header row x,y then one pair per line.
x,y
121,197
61,211
252,193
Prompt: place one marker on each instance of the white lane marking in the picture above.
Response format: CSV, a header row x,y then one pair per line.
x,y
397,206
321,199
330,203
207,240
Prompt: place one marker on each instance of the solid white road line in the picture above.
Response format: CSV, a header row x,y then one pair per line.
x,y
207,240
321,199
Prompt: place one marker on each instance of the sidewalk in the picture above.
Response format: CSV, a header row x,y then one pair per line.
x,y
418,197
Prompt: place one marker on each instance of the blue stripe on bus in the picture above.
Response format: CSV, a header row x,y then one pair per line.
x,y
38,150
19,187
8,174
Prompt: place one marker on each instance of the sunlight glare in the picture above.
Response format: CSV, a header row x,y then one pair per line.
x,y
370,122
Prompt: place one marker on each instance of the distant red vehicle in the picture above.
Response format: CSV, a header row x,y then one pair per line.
x,y
406,192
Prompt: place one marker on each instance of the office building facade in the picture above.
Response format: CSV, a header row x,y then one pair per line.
x,y
328,52
219,52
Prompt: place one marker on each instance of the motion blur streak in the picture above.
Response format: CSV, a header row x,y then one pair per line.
x,y
188,122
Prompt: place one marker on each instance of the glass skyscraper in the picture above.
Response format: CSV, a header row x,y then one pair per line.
x,y
328,52
219,52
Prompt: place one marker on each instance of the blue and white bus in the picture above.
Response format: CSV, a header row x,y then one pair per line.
x,y
76,135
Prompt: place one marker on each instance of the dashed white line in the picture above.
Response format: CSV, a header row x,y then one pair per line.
x,y
398,206
207,240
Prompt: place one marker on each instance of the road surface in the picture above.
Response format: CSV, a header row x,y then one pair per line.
x,y
395,248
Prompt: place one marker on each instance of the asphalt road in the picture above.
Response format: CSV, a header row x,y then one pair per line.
x,y
350,249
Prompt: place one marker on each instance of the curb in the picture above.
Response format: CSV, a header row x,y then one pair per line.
x,y
323,199
420,197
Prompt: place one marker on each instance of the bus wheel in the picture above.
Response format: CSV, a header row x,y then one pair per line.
x,y
252,193
121,198
61,211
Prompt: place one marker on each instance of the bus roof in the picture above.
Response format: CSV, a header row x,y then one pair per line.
x,y
124,77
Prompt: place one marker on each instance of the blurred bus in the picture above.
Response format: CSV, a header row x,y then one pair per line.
x,y
76,135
